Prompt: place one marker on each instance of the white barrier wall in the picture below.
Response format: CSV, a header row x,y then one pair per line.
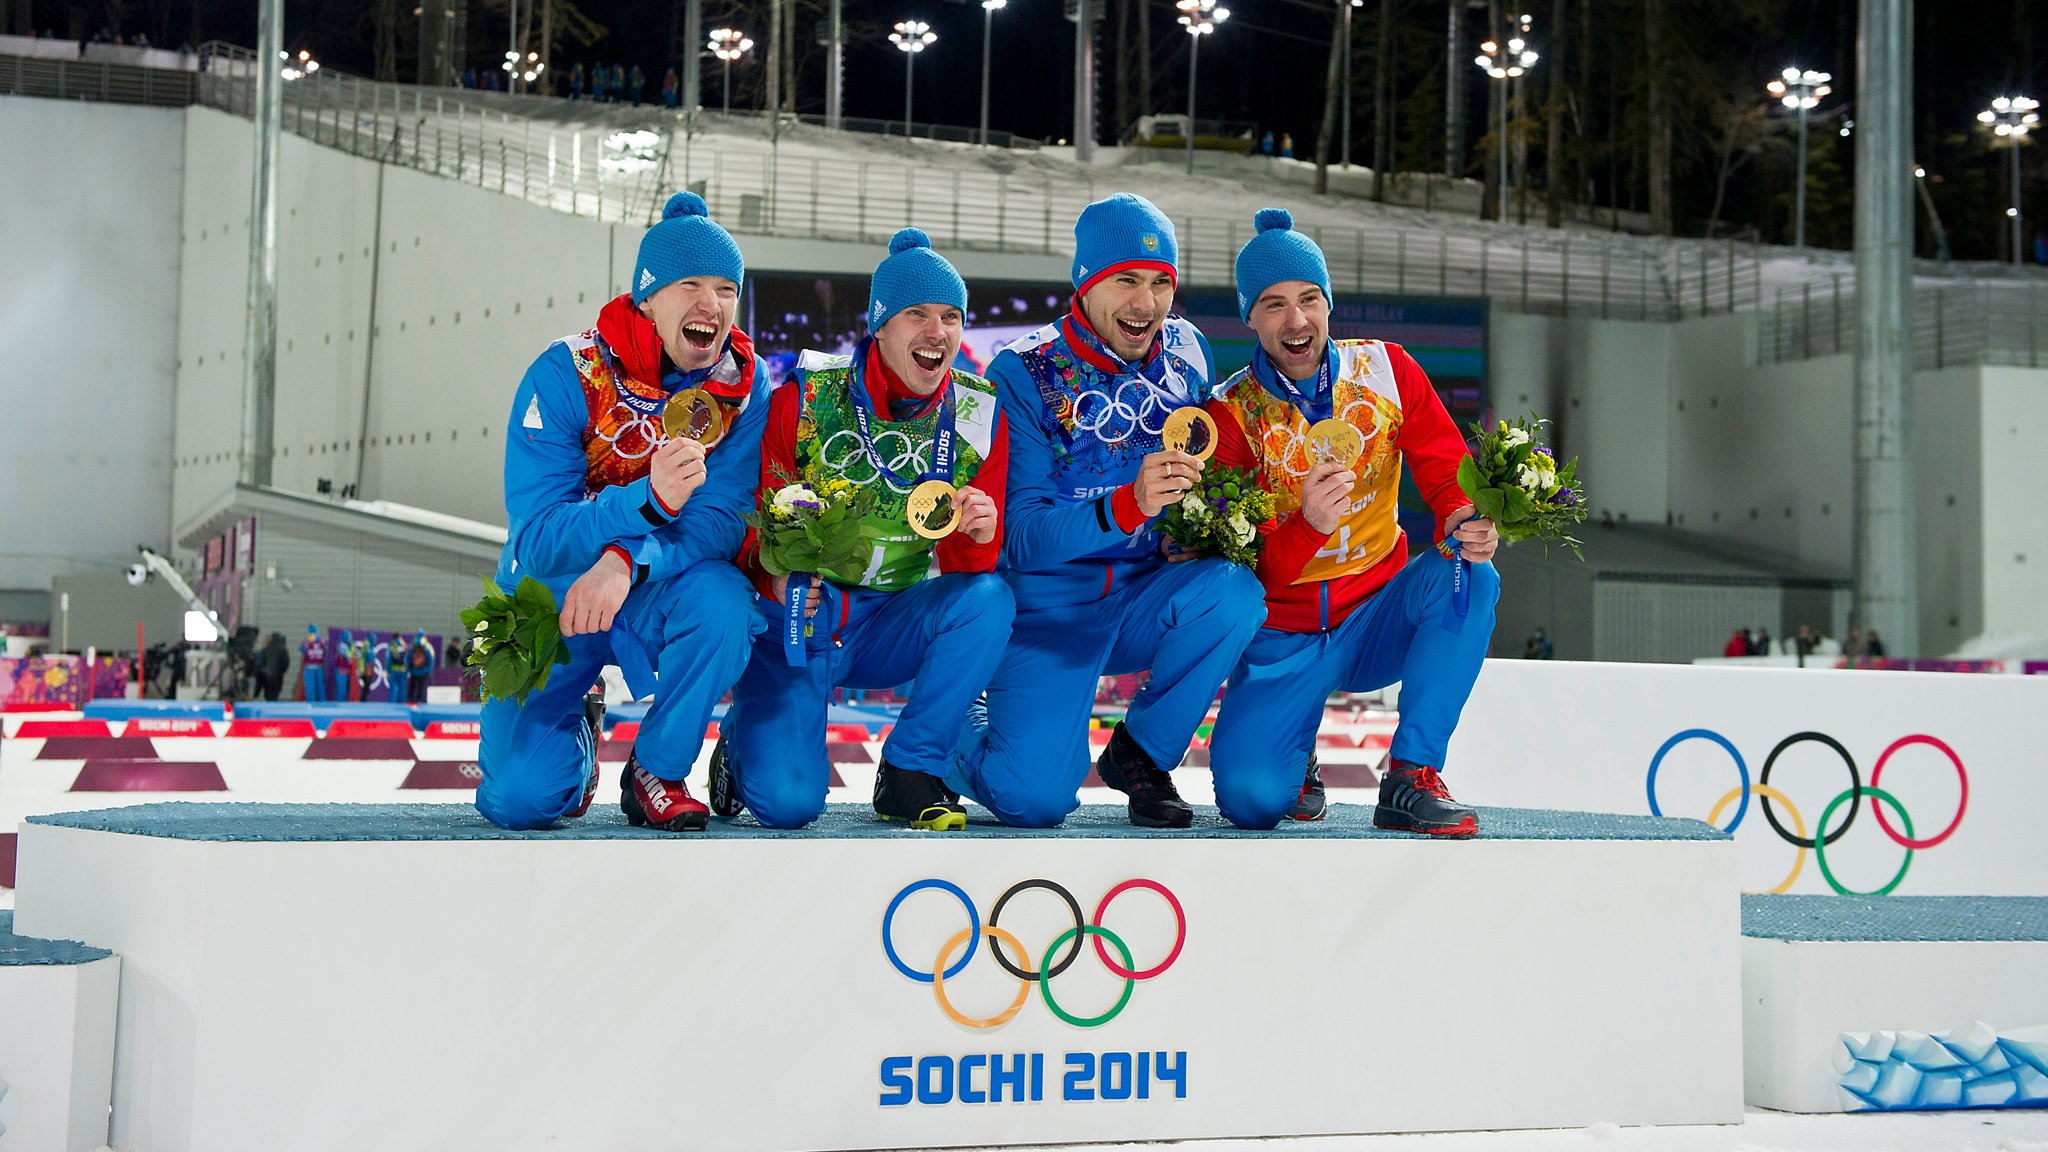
x,y
766,993
57,1054
1570,735
89,223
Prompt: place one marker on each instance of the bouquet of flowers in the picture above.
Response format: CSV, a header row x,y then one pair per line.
x,y
1220,516
821,528
517,639
1515,482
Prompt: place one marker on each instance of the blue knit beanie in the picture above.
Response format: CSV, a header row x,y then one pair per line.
x,y
913,273
1276,255
1122,230
687,242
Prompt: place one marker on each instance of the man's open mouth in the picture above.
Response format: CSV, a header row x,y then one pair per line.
x,y
1298,347
1134,330
928,359
700,334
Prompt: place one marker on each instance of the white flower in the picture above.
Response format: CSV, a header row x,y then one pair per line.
x,y
1529,479
1514,437
1240,528
787,496
482,626
1194,508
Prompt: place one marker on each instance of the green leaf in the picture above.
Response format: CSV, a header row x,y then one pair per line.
x,y
1516,505
534,597
1468,477
1489,502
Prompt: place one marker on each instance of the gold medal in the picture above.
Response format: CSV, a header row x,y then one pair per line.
x,y
693,414
1190,430
933,510
1334,441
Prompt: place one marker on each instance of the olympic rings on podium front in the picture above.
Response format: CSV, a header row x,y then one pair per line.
x,y
1051,965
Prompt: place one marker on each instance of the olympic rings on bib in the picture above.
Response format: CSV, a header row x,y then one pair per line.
x,y
1051,963
1822,837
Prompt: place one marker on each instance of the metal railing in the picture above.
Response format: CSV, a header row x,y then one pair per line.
x,y
57,78
1955,324
803,187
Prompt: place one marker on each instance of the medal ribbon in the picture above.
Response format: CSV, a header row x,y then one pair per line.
x,y
793,618
1461,585
863,415
1314,406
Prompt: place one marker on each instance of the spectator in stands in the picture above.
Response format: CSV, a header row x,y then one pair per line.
x,y
272,664
600,78
633,531
1855,647
1538,646
636,80
1738,643
932,609
313,665
1266,143
1346,608
419,665
1286,146
1094,592
1760,643
142,41
576,81
670,86
1872,646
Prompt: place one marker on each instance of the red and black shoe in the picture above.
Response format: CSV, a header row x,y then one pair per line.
x,y
1313,803
593,724
1413,799
664,804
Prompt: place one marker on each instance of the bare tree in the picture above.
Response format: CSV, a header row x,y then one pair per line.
x,y
1657,114
1553,114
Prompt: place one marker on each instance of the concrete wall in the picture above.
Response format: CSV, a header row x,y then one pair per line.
x,y
89,308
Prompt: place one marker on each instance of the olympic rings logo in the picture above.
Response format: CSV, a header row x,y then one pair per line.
x,y
1050,963
648,432
853,464
1096,412
1294,445
1852,797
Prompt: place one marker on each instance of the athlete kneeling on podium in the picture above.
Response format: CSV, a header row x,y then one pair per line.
x,y
893,418
1326,425
632,530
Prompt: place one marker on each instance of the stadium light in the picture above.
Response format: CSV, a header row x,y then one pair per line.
x,y
988,24
1504,65
1802,90
298,67
729,44
912,37
1200,18
2010,119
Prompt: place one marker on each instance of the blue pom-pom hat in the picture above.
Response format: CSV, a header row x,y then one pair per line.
x,y
1276,255
686,242
913,273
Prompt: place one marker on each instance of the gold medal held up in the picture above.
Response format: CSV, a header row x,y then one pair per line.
x,y
693,414
1190,430
1335,441
933,510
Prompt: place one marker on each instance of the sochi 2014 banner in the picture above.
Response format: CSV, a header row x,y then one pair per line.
x,y
1830,780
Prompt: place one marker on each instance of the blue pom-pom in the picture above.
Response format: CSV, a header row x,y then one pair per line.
x,y
906,239
685,204
1269,219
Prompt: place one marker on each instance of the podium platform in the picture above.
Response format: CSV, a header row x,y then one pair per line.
x,y
1895,1003
57,1042
408,977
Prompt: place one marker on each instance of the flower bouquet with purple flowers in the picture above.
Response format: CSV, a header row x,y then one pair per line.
x,y
1220,516
817,528
1514,480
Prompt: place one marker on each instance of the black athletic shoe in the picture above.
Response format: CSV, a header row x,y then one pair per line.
x,y
593,720
1154,802
725,785
1413,799
917,798
1313,803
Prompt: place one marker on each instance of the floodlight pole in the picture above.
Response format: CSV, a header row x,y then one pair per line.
x,y
259,338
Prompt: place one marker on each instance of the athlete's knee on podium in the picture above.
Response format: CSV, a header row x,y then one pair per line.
x,y
784,803
1485,584
713,606
1026,808
520,807
983,605
1232,594
1258,800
